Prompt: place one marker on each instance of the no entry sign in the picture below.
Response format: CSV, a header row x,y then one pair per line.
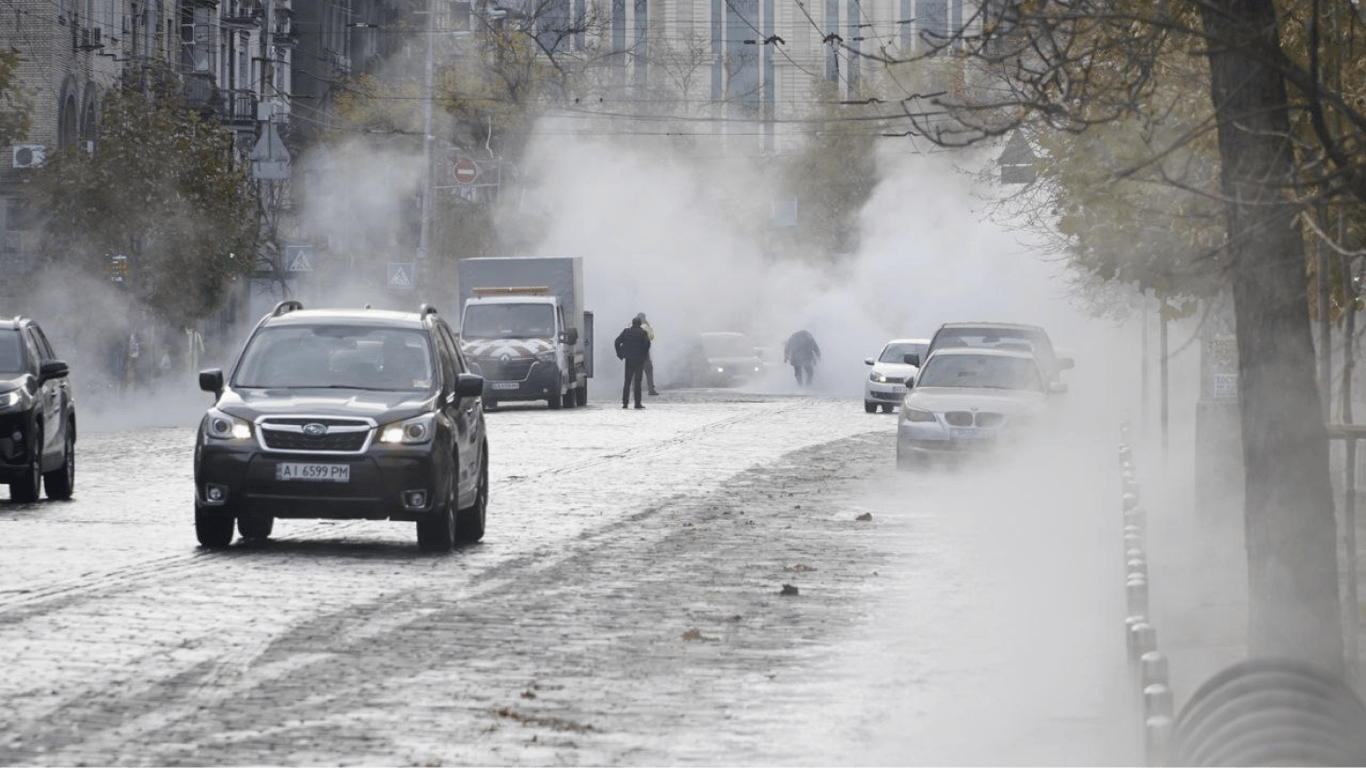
x,y
466,171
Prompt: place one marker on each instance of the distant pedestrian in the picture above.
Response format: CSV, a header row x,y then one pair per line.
x,y
633,346
802,352
649,361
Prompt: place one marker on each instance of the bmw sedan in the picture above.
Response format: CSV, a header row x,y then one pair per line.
x,y
967,401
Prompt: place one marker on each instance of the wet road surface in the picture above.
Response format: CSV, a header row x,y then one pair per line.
x,y
626,607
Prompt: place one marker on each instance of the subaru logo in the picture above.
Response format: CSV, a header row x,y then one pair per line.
x,y
315,430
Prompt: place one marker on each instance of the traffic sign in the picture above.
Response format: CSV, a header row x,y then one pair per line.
x,y
298,258
401,276
466,171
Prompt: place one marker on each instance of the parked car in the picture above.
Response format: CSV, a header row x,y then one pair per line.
x,y
1016,336
344,414
722,359
37,415
967,401
886,383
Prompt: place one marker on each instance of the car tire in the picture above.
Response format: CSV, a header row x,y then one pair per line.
x,y
886,407
469,524
255,526
581,396
214,529
436,533
869,406
570,399
25,490
60,482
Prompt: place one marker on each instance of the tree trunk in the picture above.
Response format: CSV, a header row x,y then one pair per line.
x,y
1294,610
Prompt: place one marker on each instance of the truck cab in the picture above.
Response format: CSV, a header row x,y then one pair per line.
x,y
521,341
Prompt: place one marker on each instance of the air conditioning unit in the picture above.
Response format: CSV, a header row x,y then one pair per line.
x,y
28,155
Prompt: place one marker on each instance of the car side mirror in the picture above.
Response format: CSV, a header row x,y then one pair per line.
x,y
52,369
867,361
570,336
1065,362
911,359
1057,388
211,380
469,385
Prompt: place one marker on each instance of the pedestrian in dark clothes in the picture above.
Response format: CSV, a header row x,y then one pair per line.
x,y
633,346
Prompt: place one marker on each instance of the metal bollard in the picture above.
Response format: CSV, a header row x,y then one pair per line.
x,y
1157,701
1155,672
1157,738
1136,593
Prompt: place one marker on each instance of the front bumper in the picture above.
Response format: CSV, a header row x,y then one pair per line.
x,y
539,382
875,392
14,446
383,484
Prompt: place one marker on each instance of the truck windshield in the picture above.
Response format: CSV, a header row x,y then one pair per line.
x,y
508,321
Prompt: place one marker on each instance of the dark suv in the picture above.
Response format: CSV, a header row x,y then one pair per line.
x,y
37,415
344,414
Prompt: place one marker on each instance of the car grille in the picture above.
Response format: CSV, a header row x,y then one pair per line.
x,y
515,369
298,434
974,419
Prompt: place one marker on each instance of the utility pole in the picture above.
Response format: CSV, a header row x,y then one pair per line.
x,y
425,230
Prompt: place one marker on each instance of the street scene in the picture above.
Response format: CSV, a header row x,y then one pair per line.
x,y
730,577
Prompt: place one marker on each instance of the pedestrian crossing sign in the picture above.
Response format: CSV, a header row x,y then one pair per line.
x,y
299,258
401,276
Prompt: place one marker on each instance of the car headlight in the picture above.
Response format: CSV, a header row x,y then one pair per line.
x,y
409,431
915,414
15,400
223,426
877,377
546,357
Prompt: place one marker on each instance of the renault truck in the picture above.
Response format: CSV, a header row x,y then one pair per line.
x,y
524,329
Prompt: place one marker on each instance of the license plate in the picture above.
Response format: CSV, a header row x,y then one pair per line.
x,y
504,385
297,470
898,389
970,433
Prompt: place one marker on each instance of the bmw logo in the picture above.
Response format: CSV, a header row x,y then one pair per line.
x,y
315,430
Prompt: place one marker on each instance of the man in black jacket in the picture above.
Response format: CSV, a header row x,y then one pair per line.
x,y
633,346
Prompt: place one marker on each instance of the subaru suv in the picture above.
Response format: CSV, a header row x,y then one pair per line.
x,y
37,415
344,414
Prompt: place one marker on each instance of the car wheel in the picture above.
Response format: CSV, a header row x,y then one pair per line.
x,y
214,529
255,526
886,407
869,406
437,532
26,489
581,396
60,482
470,522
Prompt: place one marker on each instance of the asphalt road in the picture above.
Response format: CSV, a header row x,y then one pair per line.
x,y
719,579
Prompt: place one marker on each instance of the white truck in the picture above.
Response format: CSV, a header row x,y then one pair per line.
x,y
523,327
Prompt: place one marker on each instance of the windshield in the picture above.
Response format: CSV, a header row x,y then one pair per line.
x,y
11,353
346,356
508,321
1016,339
896,353
727,345
984,371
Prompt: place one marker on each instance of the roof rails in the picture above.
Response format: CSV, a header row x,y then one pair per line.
x,y
288,305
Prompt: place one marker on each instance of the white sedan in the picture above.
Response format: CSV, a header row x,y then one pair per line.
x,y
886,383
968,400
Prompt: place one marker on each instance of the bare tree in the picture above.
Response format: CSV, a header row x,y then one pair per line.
x,y
1283,83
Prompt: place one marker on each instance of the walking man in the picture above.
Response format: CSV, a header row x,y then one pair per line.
x,y
803,353
633,346
649,361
